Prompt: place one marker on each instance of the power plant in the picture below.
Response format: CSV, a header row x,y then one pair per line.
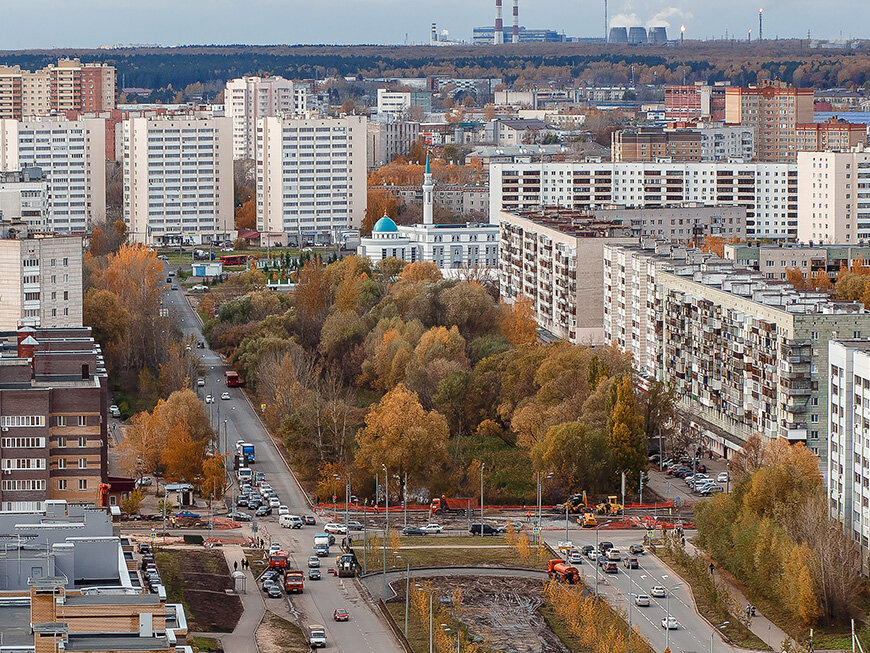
x,y
498,35
638,35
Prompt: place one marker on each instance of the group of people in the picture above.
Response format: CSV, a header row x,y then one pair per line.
x,y
750,610
245,564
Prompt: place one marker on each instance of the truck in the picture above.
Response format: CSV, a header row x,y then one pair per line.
x,y
321,544
346,564
246,449
564,571
574,504
445,505
316,636
610,507
278,560
293,581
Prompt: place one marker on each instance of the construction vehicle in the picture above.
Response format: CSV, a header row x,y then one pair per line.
x,y
574,504
448,506
564,571
587,520
610,507
293,581
346,565
278,560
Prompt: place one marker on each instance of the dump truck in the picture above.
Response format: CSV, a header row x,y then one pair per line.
x,y
346,565
445,505
574,504
564,571
293,581
278,560
610,507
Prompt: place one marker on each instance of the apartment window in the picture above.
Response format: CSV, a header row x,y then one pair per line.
x,y
83,484
61,442
61,484
83,463
23,443
814,419
61,463
83,441
61,420
83,420
22,420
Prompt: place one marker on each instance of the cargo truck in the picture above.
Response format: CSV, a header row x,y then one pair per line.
x,y
293,581
564,571
445,505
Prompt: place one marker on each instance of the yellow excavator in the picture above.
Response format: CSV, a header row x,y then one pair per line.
x,y
574,504
609,507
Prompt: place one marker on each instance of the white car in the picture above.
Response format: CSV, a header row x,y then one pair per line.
x,y
283,510
209,399
335,529
642,600
199,287
274,502
575,557
670,623
432,529
114,411
658,591
225,395
592,555
273,547
722,477
200,382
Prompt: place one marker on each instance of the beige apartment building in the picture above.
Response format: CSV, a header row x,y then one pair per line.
x,y
774,110
834,197
249,98
68,85
834,135
652,144
178,178
71,154
311,176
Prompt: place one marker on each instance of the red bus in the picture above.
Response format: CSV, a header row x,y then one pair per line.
x,y
233,379
235,259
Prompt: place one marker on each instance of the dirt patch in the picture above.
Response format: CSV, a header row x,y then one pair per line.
x,y
502,614
277,635
199,580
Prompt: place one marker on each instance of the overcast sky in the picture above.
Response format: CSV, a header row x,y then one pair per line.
x,y
90,23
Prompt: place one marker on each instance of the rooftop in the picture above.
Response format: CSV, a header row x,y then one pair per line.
x,y
576,223
115,643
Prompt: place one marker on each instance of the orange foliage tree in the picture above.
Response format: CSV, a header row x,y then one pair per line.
x,y
518,323
246,215
380,202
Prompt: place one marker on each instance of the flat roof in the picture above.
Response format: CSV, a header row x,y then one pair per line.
x,y
15,624
112,599
117,643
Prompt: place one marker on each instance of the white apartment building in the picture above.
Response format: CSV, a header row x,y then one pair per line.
x,y
834,196
249,98
768,191
72,154
745,354
723,142
848,461
389,136
311,175
396,102
23,199
178,179
40,282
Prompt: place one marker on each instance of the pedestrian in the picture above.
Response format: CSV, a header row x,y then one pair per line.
x,y
235,565
711,568
684,541
748,611
753,611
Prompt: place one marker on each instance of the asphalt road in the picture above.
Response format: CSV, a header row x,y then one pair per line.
x,y
236,420
693,634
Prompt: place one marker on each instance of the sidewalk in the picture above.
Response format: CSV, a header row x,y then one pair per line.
x,y
767,631
242,639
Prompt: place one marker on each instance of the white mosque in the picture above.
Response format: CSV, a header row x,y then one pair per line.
x,y
449,246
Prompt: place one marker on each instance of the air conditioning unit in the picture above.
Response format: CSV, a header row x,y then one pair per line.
x,y
5,428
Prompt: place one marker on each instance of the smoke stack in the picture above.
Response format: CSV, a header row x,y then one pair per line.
x,y
516,38
606,30
433,37
498,36
761,24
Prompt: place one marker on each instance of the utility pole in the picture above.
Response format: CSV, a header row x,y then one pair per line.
x,y
387,523
482,465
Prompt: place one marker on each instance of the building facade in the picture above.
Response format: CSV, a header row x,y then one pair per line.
x,y
68,85
40,282
53,416
688,102
23,201
71,154
834,198
249,98
767,191
389,138
652,144
774,261
833,135
774,111
178,179
311,175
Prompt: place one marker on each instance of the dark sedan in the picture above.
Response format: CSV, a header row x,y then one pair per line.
x,y
413,530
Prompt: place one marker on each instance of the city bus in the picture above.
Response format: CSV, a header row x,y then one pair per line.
x,y
233,379
235,259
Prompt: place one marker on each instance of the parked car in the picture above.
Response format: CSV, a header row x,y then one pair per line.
x,y
642,600
198,288
722,477
658,591
341,614
314,574
309,520
354,526
335,528
433,529
114,411
413,530
670,623
313,561
486,528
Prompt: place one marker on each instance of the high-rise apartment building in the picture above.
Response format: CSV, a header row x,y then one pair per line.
x,y
40,282
768,191
311,175
688,102
71,153
702,142
834,197
249,98
745,354
389,136
68,85
774,111
53,416
178,179
833,135
23,200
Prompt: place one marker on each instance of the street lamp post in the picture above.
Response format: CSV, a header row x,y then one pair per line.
x,y
567,506
482,465
668,617
405,499
713,633
540,500
386,523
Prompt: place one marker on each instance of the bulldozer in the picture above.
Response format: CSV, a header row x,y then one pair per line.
x,y
587,519
609,507
574,504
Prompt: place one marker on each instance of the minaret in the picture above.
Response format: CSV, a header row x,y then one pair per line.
x,y
428,189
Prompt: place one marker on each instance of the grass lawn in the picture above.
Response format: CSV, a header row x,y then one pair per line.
x,y
277,634
713,612
198,580
450,552
206,644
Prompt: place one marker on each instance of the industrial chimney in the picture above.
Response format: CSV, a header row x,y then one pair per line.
x,y
498,36
433,36
516,38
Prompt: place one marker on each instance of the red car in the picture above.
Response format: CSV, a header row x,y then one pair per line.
x,y
341,614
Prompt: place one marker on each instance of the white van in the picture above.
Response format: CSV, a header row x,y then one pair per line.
x,y
290,521
245,474
316,636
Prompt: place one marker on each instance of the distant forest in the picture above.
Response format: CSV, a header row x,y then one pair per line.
x,y
792,61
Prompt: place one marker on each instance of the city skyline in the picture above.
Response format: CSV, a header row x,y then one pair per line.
x,y
162,22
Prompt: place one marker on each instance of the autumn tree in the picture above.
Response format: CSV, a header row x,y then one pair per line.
x,y
183,455
108,319
246,215
213,473
420,272
400,434
312,300
181,368
518,323
796,278
714,245
625,436
379,203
